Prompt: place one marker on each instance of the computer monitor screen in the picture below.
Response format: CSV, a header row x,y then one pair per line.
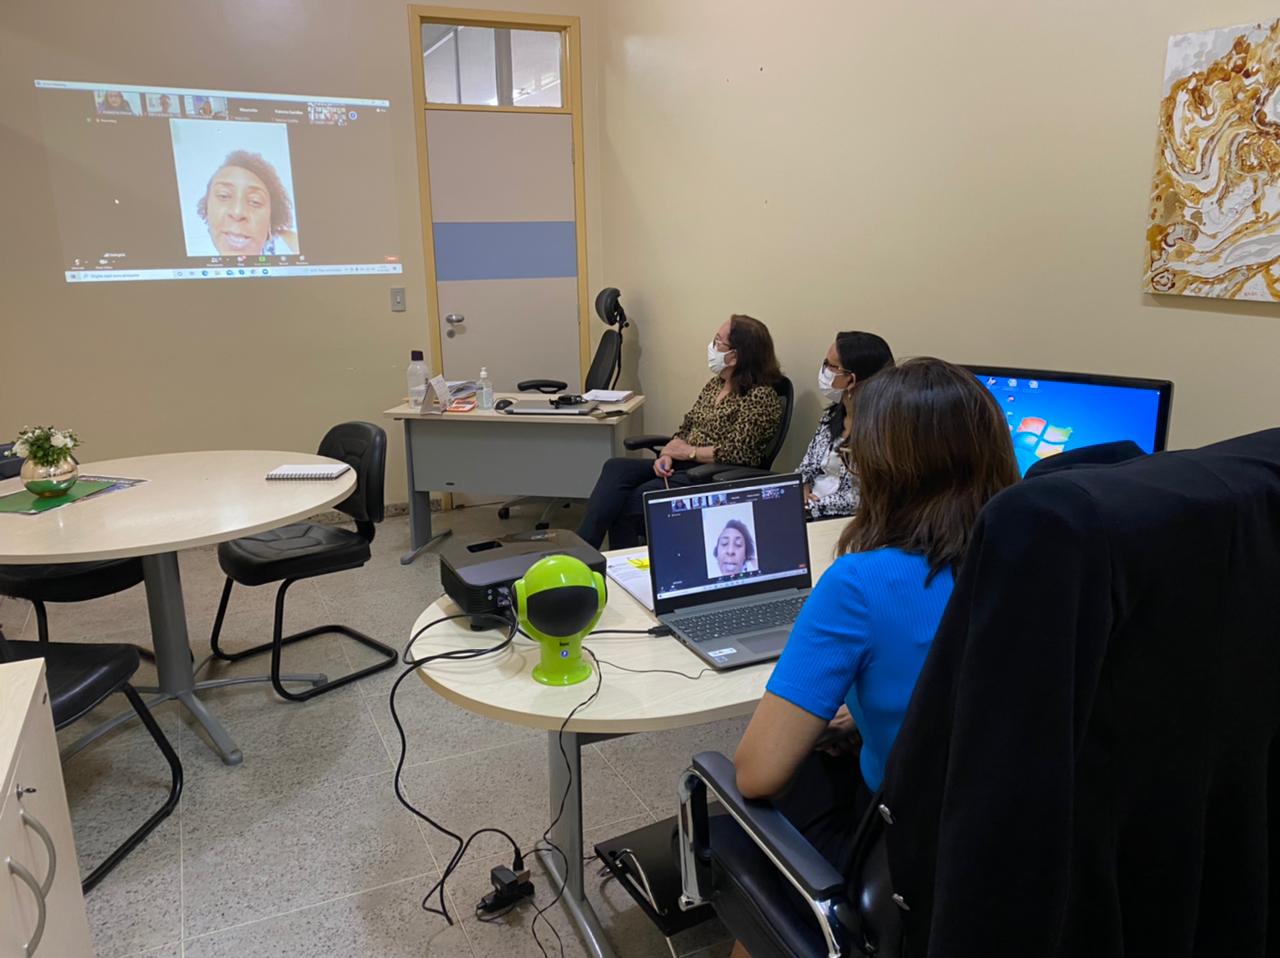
x,y
175,183
728,536
1050,412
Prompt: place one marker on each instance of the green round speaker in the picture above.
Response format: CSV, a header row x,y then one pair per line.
x,y
558,602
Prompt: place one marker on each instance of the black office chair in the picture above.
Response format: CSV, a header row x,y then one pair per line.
x,y
308,549
80,677
67,582
606,366
605,369
708,472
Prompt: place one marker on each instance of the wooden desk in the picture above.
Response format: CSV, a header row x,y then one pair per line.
x,y
492,453
501,686
189,499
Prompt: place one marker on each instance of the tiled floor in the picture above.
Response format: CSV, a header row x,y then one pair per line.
x,y
303,850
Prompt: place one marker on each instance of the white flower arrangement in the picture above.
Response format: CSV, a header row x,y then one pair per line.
x,y
44,445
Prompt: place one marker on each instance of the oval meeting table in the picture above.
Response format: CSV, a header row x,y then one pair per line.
x,y
187,499
648,684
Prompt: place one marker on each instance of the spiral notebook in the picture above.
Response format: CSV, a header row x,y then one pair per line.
x,y
308,472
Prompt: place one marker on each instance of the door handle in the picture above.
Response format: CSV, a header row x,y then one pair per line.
x,y
455,319
28,879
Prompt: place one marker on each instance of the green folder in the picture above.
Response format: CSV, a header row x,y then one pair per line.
x,y
30,504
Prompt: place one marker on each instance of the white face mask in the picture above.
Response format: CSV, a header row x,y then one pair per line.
x,y
826,384
715,358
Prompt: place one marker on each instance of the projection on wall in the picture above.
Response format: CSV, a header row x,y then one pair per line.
x,y
174,183
1215,199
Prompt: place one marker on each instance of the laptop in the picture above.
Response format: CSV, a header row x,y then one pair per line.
x,y
543,407
729,565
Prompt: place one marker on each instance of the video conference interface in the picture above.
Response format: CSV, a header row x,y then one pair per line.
x,y
1047,417
723,539
173,183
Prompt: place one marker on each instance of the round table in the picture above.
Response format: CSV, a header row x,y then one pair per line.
x,y
501,686
188,499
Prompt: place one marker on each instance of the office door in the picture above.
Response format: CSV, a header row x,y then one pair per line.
x,y
504,229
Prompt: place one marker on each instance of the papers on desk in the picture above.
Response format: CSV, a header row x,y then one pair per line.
x,y
631,571
607,395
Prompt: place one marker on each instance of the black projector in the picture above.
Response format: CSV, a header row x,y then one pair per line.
x,y
477,574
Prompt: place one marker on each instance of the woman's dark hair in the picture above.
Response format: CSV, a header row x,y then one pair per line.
x,y
864,355
931,448
740,526
757,362
281,206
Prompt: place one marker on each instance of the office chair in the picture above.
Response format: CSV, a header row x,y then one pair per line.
x,y
711,471
605,369
606,366
1050,792
80,677
64,582
308,549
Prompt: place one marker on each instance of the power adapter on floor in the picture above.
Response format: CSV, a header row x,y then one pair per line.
x,y
509,889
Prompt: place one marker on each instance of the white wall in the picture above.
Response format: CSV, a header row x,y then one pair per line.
x,y
968,179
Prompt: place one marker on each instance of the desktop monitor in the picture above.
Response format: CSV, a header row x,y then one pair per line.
x,y
1050,412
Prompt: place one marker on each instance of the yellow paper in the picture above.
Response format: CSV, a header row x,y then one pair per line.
x,y
640,562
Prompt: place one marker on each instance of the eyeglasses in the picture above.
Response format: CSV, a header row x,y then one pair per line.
x,y
838,370
720,344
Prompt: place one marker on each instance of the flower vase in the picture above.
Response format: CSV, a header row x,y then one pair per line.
x,y
49,482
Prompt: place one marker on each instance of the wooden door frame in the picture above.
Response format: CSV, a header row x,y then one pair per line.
x,y
570,29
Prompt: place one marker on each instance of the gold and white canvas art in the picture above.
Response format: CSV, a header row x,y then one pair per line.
x,y
1215,199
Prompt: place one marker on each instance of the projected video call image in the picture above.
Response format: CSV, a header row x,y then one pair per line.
x,y
118,103
218,184
235,188
729,533
162,104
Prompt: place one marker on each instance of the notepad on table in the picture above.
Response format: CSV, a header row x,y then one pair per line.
x,y
607,395
308,472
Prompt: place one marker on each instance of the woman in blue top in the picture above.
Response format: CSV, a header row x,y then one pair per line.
x,y
931,447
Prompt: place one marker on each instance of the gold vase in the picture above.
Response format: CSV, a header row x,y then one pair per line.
x,y
49,482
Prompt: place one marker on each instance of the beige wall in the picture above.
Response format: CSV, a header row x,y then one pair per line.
x,y
159,366
968,179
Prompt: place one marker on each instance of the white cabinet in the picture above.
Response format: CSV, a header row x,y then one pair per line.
x,y
41,907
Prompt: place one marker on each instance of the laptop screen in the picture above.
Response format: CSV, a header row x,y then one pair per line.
x,y
721,541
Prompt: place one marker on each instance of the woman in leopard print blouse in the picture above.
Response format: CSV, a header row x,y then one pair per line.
x,y
732,421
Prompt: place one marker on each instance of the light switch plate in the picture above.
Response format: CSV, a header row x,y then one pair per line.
x,y
397,299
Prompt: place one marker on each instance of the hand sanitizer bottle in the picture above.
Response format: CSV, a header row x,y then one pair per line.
x,y
485,392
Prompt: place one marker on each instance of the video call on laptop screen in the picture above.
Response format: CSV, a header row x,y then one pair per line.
x,y
711,538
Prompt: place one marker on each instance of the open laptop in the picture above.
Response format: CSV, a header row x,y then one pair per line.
x,y
729,563
543,407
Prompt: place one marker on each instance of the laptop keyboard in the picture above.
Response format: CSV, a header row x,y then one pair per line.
x,y
751,618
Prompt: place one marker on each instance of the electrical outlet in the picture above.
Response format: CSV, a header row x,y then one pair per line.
x,y
397,299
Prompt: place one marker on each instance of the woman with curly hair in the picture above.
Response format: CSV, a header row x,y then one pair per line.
x,y
247,209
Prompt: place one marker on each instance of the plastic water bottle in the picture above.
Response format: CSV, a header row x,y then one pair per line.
x,y
416,376
485,399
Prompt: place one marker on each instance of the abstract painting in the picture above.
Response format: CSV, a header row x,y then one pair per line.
x,y
1215,200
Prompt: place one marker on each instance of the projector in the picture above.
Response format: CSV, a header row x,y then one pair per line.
x,y
478,574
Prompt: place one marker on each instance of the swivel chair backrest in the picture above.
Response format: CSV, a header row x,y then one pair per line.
x,y
606,367
362,446
788,393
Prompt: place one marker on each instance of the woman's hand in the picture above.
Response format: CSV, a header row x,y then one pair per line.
x,y
839,737
662,467
810,497
677,448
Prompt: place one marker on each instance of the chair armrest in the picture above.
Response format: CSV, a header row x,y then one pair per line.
x,y
770,829
705,472
547,386
730,473
652,443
